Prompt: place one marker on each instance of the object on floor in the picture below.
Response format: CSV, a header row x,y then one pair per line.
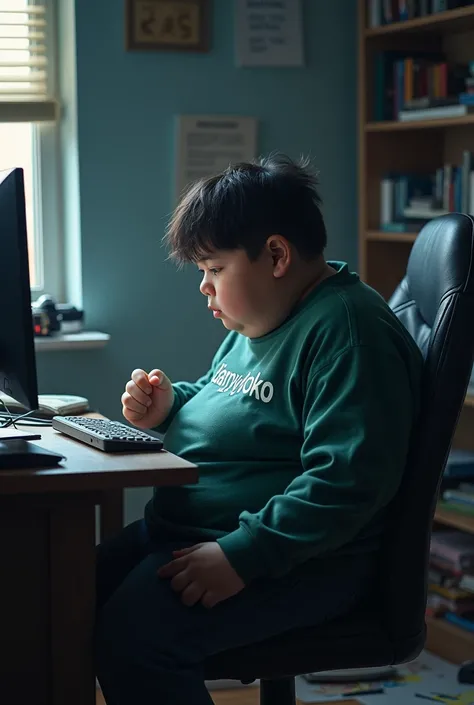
x,y
428,676
351,675
466,673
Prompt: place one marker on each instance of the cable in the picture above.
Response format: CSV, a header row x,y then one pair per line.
x,y
21,419
31,421
8,415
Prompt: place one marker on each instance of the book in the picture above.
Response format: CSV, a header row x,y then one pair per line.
x,y
459,496
442,578
448,111
402,76
467,583
450,593
439,603
460,464
408,201
454,547
407,227
456,507
464,621
49,405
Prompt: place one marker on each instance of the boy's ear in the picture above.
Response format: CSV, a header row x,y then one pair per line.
x,y
280,251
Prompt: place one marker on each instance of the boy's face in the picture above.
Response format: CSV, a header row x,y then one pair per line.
x,y
241,292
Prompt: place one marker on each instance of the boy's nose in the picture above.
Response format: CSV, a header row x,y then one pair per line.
x,y
206,288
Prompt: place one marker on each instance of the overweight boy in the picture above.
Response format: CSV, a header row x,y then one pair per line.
x,y
300,429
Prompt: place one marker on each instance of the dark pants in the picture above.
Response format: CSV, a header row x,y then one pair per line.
x,y
150,648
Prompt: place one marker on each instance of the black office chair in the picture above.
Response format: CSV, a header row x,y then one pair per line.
x,y
435,301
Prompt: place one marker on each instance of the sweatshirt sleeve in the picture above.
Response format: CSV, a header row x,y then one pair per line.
x,y
357,418
184,391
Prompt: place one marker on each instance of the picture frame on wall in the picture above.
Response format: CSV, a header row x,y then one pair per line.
x,y
168,25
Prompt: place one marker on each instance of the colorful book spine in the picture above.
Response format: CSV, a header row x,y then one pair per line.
x,y
418,198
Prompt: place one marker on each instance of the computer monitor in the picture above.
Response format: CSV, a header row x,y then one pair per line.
x,y
17,351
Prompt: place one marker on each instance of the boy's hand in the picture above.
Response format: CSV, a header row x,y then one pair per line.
x,y
203,574
147,399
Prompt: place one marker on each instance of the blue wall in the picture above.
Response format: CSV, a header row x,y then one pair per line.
x,y
126,107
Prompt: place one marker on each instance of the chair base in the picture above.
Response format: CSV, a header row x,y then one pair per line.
x,y
278,692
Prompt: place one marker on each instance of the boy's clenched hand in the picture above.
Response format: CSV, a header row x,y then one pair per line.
x,y
203,574
147,399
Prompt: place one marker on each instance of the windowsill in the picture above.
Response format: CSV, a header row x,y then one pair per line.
x,y
87,340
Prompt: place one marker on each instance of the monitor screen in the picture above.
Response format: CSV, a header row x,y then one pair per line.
x,y
17,351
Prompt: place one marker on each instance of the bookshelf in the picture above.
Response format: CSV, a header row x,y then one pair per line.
x,y
469,401
394,126
390,237
455,521
450,21
418,147
448,641
443,638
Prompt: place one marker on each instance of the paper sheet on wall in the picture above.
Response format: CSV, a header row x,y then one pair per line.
x,y
269,33
427,679
207,144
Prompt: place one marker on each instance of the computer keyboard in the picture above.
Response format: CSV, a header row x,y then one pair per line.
x,y
106,435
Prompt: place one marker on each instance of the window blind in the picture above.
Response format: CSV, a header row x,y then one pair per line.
x,y
25,63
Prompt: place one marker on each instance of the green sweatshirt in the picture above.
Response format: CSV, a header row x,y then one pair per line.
x,y
300,435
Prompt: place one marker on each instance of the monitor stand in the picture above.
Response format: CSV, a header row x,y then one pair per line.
x,y
16,454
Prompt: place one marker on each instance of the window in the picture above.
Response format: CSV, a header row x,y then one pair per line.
x,y
28,129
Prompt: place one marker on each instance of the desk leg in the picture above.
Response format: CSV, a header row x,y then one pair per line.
x,y
72,565
24,604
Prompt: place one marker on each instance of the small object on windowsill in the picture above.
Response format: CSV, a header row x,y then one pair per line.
x,y
71,327
72,319
50,317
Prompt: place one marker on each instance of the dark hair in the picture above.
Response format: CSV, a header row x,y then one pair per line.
x,y
244,205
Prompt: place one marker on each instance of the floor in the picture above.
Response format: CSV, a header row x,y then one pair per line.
x,y
239,697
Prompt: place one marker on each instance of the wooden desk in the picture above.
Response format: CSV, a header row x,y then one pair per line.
x,y
47,578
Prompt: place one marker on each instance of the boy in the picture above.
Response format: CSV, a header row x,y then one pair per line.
x,y
300,429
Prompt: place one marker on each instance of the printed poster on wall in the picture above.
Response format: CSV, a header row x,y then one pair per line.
x,y
207,144
269,33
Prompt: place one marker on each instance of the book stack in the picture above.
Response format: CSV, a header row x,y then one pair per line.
x,y
409,201
380,12
451,578
459,468
459,500
411,86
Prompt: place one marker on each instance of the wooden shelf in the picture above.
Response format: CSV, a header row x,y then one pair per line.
x,y
460,20
469,400
383,236
449,641
398,126
463,522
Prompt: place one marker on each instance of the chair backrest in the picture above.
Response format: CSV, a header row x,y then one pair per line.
x,y
435,301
